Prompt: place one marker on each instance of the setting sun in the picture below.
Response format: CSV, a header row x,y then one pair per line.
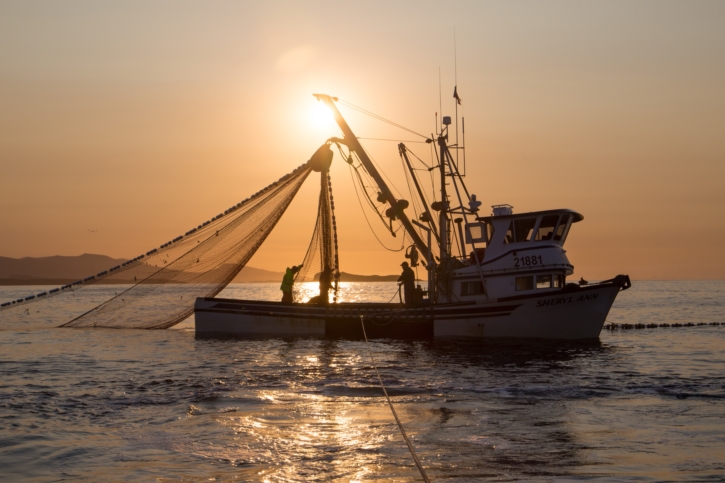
x,y
320,117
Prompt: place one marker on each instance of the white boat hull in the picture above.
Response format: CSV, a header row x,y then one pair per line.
x,y
565,314
574,315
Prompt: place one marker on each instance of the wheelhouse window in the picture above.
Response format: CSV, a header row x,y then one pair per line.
x,y
563,228
509,238
543,281
520,230
479,232
524,283
476,233
524,228
471,288
546,228
556,280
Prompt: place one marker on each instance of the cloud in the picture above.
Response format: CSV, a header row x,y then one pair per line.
x,y
296,58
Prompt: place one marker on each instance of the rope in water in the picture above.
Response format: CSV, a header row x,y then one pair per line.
x,y
392,408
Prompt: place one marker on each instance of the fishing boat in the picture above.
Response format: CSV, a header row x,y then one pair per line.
x,y
499,275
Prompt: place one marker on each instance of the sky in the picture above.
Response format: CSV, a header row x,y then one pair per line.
x,y
140,120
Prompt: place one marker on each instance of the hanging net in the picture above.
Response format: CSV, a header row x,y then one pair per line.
x,y
157,290
321,263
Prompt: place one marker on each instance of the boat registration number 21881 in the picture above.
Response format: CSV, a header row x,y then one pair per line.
x,y
528,261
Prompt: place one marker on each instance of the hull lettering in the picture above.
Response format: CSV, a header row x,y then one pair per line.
x,y
567,300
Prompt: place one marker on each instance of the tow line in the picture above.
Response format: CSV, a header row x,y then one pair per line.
x,y
392,409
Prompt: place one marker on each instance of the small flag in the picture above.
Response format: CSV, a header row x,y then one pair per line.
x,y
455,94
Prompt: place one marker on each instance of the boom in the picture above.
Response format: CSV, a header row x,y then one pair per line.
x,y
350,140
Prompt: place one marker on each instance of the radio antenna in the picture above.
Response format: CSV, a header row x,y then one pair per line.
x,y
455,57
440,97
455,80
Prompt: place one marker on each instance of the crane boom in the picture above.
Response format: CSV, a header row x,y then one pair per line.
x,y
351,141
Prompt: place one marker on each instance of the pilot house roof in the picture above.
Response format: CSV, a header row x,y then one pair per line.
x,y
577,216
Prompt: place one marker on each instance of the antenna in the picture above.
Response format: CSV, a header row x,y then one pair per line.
x,y
455,88
455,57
457,102
440,96
463,127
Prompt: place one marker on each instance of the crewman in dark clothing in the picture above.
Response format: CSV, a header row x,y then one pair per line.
x,y
325,285
407,279
287,282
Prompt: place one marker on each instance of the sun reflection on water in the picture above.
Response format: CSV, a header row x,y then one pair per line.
x,y
321,426
349,292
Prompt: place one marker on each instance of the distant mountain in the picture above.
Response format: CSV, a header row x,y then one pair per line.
x,y
351,277
251,274
58,270
29,270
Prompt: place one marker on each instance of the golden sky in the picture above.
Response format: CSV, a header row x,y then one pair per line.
x,y
143,119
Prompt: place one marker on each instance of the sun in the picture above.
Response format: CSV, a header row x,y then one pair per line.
x,y
320,118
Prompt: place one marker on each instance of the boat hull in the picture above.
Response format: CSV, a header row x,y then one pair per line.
x,y
572,313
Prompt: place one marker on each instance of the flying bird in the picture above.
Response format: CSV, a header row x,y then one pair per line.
x,y
92,231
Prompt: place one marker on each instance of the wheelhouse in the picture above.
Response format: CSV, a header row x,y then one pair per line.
x,y
515,254
504,231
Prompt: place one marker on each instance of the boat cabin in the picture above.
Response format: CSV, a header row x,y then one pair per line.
x,y
505,231
515,254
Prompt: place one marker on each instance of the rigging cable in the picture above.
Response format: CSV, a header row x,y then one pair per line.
x,y
429,168
366,216
393,140
392,408
414,199
379,118
368,199
363,186
382,172
430,171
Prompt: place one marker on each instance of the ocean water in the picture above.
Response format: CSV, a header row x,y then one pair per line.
x,y
131,405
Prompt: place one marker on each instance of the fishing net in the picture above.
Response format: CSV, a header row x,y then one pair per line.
x,y
157,290
321,263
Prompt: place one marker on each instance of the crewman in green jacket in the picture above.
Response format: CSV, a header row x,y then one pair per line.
x,y
287,282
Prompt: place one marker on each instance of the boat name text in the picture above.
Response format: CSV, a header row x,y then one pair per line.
x,y
567,300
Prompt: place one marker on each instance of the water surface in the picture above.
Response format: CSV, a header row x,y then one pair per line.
x,y
131,405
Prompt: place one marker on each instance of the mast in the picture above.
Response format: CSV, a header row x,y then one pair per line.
x,y
442,216
351,141
404,153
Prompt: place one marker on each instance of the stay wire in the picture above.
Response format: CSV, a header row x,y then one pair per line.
x,y
382,172
393,140
392,408
421,161
370,201
366,216
379,118
413,198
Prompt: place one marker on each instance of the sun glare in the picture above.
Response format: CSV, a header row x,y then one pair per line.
x,y
320,117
